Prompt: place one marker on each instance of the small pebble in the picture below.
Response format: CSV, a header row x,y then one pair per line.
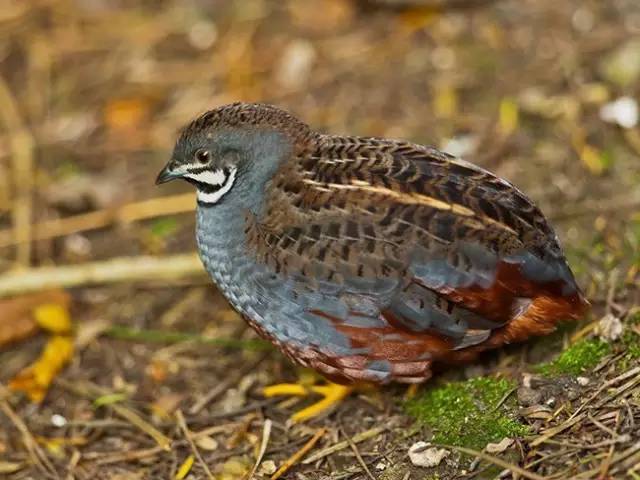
x,y
58,420
583,381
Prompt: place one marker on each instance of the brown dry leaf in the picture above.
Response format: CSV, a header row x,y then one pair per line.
x,y
126,118
17,319
321,15
157,370
419,17
165,405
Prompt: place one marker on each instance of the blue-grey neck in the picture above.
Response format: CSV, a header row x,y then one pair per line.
x,y
220,229
222,225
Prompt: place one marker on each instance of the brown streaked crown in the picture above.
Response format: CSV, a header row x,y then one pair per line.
x,y
253,115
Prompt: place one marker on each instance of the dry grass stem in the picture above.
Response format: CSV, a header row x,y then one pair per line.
x,y
133,212
128,269
297,456
22,145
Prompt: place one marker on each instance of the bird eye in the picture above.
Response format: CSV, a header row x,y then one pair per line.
x,y
202,156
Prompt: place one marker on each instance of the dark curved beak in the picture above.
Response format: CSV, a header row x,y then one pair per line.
x,y
167,174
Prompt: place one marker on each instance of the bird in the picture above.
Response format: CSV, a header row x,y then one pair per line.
x,y
369,260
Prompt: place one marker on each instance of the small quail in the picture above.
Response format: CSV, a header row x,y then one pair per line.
x,y
366,259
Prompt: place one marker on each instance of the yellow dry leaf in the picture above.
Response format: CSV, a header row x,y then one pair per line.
x,y
56,445
53,317
508,116
185,468
445,103
34,380
234,468
593,159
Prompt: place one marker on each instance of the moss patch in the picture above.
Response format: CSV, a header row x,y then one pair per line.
x,y
631,337
576,359
465,414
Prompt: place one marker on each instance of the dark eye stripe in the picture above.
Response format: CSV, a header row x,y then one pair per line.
x,y
197,170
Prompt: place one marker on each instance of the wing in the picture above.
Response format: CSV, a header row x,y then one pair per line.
x,y
444,247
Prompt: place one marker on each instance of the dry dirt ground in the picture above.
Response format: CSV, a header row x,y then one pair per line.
x,y
165,380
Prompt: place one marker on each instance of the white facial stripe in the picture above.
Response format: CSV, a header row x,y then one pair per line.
x,y
216,177
214,197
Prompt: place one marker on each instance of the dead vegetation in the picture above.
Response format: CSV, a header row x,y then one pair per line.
x,y
162,380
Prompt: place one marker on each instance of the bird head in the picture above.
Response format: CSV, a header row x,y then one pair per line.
x,y
235,147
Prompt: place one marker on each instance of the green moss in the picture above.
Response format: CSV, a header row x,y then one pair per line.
x,y
465,413
576,359
631,338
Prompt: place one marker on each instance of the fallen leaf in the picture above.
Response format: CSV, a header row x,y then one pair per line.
x,y
125,114
17,320
10,467
35,379
595,160
508,116
267,467
445,103
234,468
422,454
500,446
207,443
165,405
125,119
417,18
185,468
53,317
622,66
609,327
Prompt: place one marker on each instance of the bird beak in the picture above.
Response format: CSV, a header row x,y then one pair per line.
x,y
167,174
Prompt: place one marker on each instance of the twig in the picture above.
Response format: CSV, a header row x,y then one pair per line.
x,y
604,386
551,432
497,461
124,269
122,456
22,145
344,444
291,461
356,452
187,434
132,212
266,434
223,386
163,441
35,452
